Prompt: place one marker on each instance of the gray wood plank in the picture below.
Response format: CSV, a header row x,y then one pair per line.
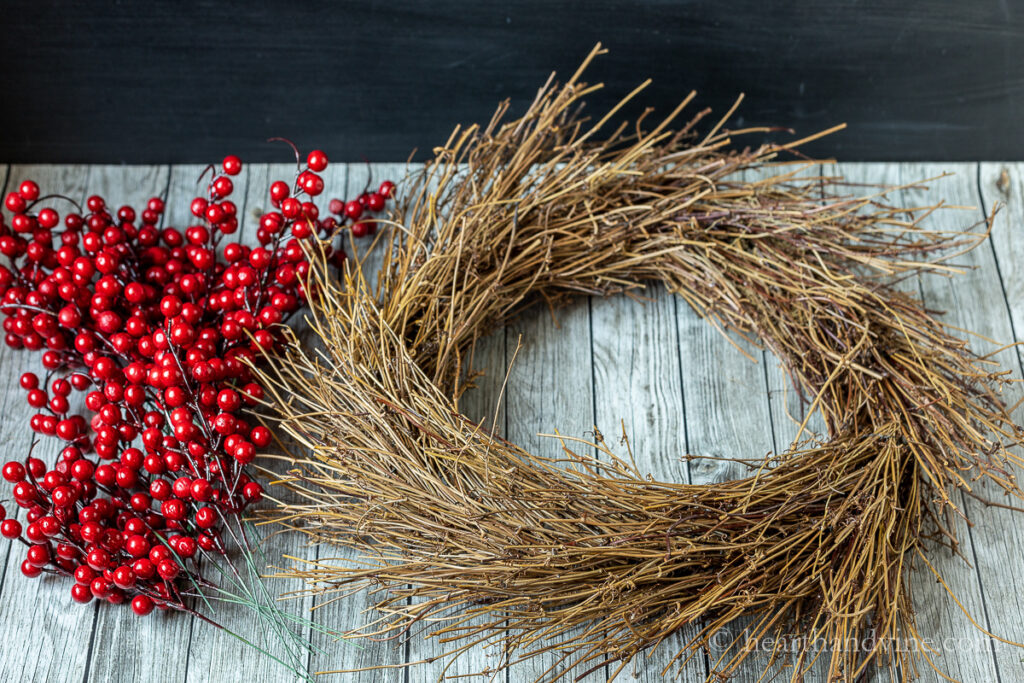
x,y
214,653
727,416
480,404
999,534
706,393
550,388
786,412
863,179
47,635
335,180
161,635
970,300
638,389
349,613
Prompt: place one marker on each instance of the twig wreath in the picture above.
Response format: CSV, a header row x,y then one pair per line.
x,y
476,541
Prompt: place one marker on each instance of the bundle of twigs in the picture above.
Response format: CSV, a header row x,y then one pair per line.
x,y
587,557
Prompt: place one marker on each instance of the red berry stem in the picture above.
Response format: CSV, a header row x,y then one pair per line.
x,y
155,326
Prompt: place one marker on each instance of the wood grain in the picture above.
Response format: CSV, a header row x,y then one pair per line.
x,y
727,416
214,652
638,390
47,636
550,388
350,613
676,384
971,300
125,647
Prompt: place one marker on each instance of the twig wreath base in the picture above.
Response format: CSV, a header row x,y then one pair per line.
x,y
467,538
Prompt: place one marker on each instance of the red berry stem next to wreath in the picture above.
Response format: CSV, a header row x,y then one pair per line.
x,y
153,325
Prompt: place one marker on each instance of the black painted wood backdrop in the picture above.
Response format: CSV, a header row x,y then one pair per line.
x,y
150,82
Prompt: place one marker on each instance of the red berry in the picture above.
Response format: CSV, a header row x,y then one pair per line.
x,y
38,555
10,528
158,553
244,453
317,160
186,546
228,400
36,398
291,208
206,518
15,203
63,496
354,210
14,472
81,593
142,605
84,574
136,545
201,490
222,187
101,588
173,509
214,213
278,191
207,543
387,188
182,487
144,568
224,423
98,559
124,577
49,526
168,569
29,190
232,165
252,492
36,467
311,183
198,207
252,393
48,218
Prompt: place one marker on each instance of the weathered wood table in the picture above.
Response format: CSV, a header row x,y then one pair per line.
x,y
678,386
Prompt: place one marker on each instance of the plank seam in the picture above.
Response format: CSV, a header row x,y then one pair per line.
x,y
593,393
92,641
963,496
768,396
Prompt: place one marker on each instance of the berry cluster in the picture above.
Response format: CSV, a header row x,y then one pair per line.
x,y
156,331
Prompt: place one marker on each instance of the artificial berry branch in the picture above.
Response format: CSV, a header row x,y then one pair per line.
x,y
156,327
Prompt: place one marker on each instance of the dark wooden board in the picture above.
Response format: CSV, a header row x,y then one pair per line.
x,y
189,82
